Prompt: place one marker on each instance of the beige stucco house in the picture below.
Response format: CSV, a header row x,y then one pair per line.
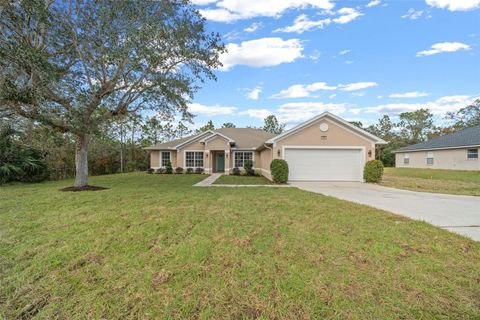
x,y
325,147
457,151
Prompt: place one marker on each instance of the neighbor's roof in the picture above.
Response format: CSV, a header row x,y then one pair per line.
x,y
465,138
244,138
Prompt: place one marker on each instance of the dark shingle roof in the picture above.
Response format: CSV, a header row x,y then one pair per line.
x,y
466,137
245,138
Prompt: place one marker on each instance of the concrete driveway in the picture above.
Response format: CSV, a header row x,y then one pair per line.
x,y
460,214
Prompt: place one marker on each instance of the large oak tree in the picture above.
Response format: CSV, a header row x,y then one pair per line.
x,y
75,64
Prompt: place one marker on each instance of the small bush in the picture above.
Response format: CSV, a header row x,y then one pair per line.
x,y
373,171
248,166
150,170
189,170
279,170
179,170
168,168
199,170
236,171
160,170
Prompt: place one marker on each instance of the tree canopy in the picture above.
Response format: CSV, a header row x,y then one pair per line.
x,y
75,64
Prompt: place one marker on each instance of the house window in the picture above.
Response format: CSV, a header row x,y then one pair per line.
x,y
165,158
194,159
406,158
430,157
241,157
472,154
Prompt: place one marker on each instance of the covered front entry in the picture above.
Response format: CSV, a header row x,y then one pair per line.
x,y
219,163
325,164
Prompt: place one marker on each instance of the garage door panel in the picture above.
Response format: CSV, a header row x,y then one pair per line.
x,y
324,164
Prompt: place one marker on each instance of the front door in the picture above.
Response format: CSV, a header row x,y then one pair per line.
x,y
220,162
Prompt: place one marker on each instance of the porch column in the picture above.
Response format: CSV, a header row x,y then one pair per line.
x,y
227,161
209,162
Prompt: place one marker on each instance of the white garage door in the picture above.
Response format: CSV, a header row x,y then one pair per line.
x,y
325,164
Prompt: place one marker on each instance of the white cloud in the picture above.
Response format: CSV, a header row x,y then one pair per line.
x,y
358,94
343,52
296,112
254,93
303,23
302,90
373,3
332,96
357,86
438,107
202,2
413,14
215,110
256,113
261,53
253,27
412,94
455,5
232,10
444,47
349,62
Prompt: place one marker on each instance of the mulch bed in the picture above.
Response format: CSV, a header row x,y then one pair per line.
x,y
85,188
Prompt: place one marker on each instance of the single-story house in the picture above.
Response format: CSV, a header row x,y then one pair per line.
x,y
458,151
325,147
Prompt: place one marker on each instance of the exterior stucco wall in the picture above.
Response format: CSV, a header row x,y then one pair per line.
x,y
264,162
154,159
336,136
455,159
217,143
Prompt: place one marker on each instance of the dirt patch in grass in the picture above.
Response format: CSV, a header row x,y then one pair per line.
x,y
85,188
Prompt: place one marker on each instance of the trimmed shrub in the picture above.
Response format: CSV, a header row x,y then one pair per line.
x,y
248,166
150,170
179,170
160,170
236,171
168,168
373,171
279,170
189,170
199,170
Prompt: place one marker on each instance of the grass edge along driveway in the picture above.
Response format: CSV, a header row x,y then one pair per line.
x,y
154,246
457,182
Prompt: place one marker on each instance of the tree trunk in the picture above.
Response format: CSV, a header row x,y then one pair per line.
x,y
81,161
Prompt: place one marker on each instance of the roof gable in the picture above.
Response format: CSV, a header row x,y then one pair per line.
x,y
342,123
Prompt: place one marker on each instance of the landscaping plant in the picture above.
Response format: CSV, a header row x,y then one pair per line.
x,y
373,171
279,170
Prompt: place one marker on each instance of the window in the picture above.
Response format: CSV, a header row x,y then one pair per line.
x,y
430,157
241,157
165,158
472,154
406,158
194,159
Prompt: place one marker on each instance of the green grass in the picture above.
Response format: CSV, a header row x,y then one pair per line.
x,y
433,180
154,247
242,180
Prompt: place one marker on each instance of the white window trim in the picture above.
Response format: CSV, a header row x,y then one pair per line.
x,y
361,148
161,158
432,156
185,158
472,159
406,156
243,151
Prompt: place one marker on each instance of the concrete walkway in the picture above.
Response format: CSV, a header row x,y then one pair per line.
x,y
460,214
207,182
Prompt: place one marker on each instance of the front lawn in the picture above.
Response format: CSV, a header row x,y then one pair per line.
x,y
433,180
242,180
154,247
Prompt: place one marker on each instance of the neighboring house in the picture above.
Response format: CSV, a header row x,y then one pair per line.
x,y
325,147
458,151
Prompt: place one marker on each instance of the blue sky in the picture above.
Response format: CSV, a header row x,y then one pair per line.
x,y
357,59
